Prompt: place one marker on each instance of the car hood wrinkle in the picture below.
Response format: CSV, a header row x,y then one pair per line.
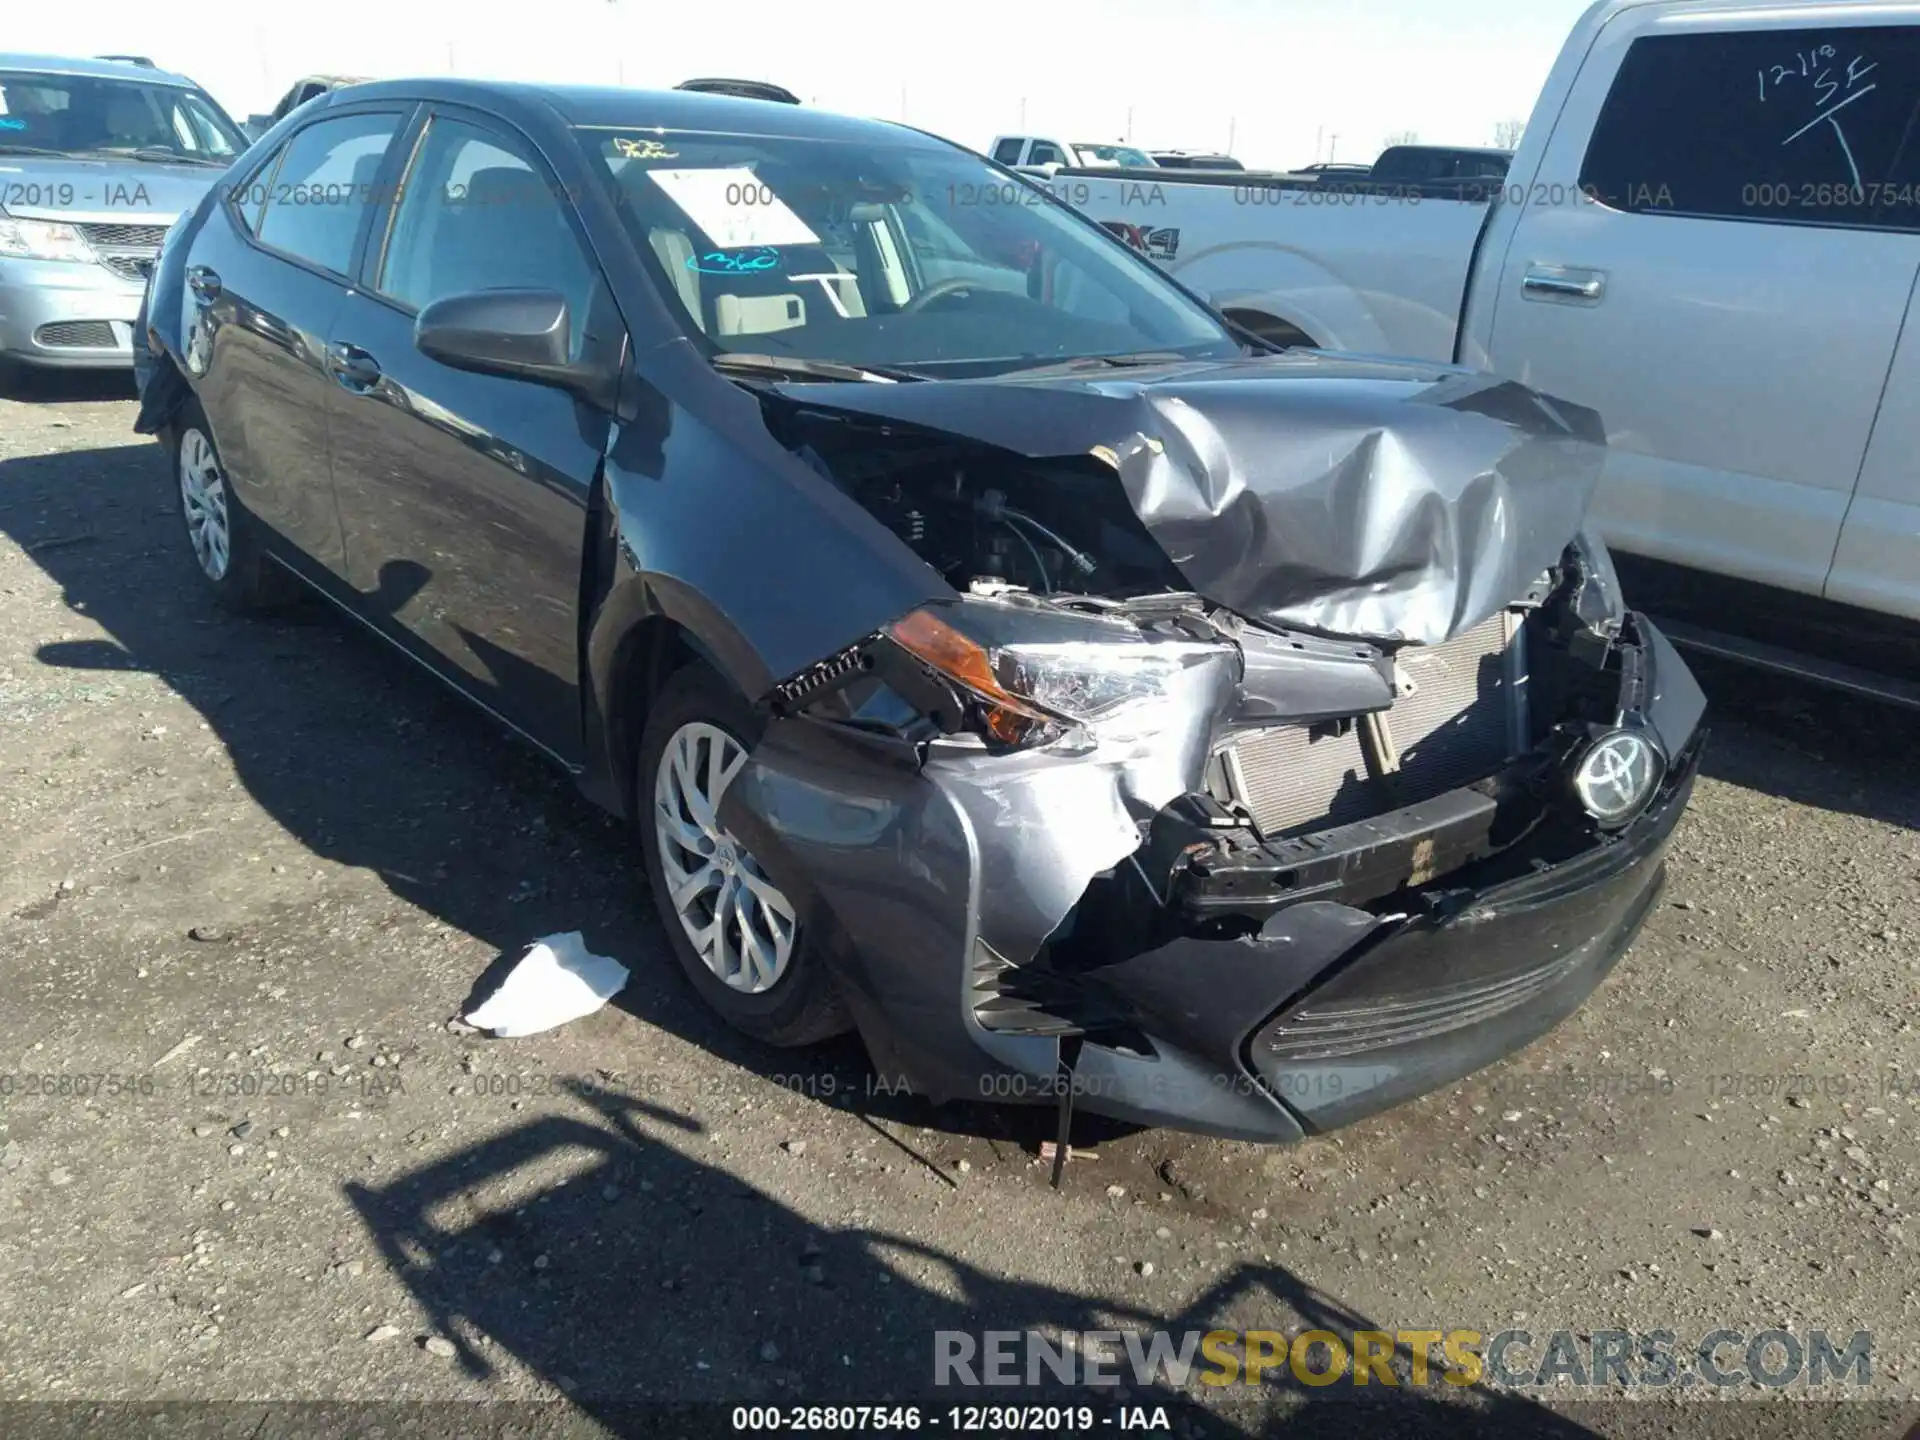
x,y
1391,501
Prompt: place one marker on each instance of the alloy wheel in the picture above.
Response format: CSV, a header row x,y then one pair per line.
x,y
203,500
740,925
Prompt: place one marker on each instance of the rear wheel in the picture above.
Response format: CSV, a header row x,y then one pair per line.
x,y
222,538
735,933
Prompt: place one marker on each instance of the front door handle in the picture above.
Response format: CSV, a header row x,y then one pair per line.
x,y
1564,283
204,283
353,367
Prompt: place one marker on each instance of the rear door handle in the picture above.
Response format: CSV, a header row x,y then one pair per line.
x,y
204,283
1566,283
353,367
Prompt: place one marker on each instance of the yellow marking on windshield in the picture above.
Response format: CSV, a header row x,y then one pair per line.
x,y
642,149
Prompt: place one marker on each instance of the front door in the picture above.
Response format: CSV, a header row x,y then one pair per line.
x,y
464,497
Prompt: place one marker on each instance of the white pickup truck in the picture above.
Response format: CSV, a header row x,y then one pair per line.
x,y
1710,234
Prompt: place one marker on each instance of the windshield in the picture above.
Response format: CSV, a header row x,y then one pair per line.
x,y
1113,154
909,257
91,116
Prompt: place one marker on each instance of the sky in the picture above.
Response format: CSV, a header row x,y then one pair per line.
x,y
1284,82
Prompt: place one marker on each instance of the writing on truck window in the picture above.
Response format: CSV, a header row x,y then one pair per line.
x,y
1816,80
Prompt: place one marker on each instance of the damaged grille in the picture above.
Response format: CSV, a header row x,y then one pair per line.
x,y
1459,715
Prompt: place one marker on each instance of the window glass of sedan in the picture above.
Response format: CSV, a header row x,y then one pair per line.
x,y
480,213
1811,127
313,201
916,256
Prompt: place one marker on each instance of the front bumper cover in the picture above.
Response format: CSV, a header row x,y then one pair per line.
x,y
984,918
67,315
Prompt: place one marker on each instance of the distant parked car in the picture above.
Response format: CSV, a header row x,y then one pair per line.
x,y
741,90
1035,151
1194,160
100,156
1336,170
1420,163
297,95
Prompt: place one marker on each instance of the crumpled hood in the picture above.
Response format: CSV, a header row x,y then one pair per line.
x,y
1392,501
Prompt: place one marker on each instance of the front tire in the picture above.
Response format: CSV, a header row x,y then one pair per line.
x,y
736,935
222,538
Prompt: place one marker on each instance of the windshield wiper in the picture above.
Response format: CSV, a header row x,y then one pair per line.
x,y
796,368
31,150
1103,362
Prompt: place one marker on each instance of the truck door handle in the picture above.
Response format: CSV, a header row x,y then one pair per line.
x,y
1563,282
204,283
353,367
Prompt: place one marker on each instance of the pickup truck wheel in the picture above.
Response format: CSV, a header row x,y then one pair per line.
x,y
222,537
735,934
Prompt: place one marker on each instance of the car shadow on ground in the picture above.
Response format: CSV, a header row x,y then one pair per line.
x,y
645,1276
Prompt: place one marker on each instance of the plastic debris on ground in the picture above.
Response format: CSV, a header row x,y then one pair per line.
x,y
557,980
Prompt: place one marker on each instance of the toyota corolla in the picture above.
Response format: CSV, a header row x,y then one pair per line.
x,y
995,651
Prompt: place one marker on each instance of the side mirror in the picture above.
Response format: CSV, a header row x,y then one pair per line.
x,y
517,334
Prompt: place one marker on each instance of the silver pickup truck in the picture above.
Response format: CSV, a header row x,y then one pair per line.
x,y
97,159
1710,234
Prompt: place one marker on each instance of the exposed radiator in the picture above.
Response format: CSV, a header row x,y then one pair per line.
x,y
1462,719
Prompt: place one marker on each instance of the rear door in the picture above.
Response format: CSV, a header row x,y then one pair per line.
x,y
1712,256
464,497
265,281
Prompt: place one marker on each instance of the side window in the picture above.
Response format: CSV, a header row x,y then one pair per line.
x,y
1045,152
322,186
479,213
1811,127
1007,152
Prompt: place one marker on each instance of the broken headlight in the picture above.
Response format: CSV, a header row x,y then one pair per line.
x,y
1034,676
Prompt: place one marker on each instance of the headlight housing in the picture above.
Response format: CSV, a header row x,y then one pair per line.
x,y
42,240
1035,676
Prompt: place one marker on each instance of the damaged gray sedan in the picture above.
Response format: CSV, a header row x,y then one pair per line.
x,y
994,650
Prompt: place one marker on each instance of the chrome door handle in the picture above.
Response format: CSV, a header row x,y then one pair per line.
x,y
204,283
353,367
1562,282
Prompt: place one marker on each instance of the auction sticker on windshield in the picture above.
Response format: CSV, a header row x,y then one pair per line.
x,y
734,207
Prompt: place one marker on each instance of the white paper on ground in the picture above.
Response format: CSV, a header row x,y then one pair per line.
x,y
734,206
557,980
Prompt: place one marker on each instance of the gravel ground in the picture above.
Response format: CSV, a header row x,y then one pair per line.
x,y
251,869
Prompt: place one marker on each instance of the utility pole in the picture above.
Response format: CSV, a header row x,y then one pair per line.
x,y
1232,120
1333,146
1023,113
452,68
1129,124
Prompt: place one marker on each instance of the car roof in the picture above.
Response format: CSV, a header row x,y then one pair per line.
x,y
616,107
86,65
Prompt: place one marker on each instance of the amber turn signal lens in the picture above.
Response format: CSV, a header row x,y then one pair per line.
x,y
1009,719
